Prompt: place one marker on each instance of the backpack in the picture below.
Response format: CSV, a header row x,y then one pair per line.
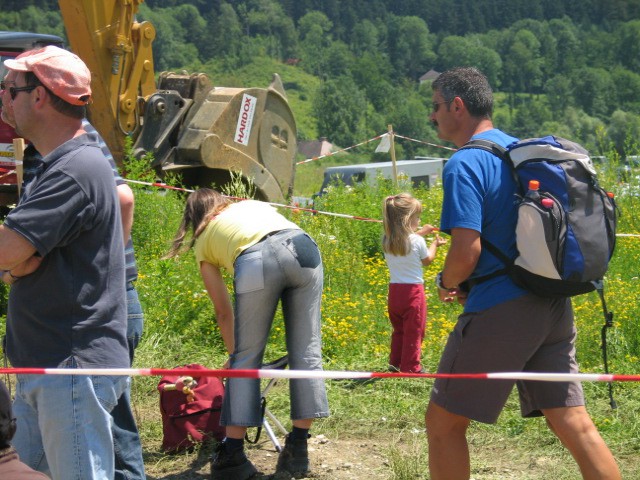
x,y
566,230
190,409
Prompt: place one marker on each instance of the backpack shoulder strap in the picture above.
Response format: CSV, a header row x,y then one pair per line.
x,y
496,252
487,145
497,150
502,153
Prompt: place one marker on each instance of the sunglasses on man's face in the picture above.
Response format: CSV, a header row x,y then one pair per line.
x,y
436,105
13,91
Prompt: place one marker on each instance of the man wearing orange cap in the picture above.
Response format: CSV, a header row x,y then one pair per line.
x,y
63,246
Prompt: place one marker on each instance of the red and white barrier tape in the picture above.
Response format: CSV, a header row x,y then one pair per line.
x,y
159,185
324,374
426,143
373,139
340,151
280,205
296,208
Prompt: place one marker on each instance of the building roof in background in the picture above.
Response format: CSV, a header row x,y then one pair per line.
x,y
315,148
430,75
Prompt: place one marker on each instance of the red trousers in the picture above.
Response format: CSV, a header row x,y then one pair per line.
x,y
407,306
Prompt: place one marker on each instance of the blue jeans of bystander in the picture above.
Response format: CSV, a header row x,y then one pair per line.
x,y
64,423
126,439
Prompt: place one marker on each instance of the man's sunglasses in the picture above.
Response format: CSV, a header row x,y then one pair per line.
x,y
13,91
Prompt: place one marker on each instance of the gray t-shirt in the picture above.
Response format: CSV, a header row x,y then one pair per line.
x,y
74,304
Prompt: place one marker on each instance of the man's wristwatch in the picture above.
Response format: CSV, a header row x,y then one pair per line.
x,y
439,282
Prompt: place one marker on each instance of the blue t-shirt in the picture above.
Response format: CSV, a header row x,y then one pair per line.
x,y
480,194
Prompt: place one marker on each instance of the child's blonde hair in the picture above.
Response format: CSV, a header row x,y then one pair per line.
x,y
398,212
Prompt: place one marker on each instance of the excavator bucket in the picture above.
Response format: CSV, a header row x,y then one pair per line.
x,y
189,125
207,132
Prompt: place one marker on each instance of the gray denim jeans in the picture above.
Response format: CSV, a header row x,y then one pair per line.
x,y
285,266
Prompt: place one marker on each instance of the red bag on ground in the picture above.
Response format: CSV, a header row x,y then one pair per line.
x,y
190,408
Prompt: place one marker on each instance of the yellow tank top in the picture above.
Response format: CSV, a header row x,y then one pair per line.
x,y
236,228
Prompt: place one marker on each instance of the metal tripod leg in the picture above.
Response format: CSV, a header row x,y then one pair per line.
x,y
267,428
268,416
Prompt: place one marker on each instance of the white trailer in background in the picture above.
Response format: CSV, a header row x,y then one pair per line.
x,y
421,170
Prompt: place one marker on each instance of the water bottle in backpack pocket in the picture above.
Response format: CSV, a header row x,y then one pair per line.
x,y
540,237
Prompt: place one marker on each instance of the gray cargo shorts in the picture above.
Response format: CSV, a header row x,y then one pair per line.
x,y
527,334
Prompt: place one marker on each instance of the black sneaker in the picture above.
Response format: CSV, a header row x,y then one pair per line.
x,y
231,466
294,458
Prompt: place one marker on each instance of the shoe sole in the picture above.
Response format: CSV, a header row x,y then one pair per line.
x,y
287,475
298,471
241,472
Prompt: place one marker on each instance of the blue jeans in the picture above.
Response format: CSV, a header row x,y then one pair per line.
x,y
285,266
64,423
126,440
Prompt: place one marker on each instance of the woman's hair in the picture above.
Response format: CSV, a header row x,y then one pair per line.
x,y
202,205
398,211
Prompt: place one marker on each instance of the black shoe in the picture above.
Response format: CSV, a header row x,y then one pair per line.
x,y
231,466
294,458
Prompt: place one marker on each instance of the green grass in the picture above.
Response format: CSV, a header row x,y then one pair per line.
x,y
180,328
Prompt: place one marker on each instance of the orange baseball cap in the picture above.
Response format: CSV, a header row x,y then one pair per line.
x,y
61,71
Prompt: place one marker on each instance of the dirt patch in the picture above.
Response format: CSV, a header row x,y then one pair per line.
x,y
330,460
343,460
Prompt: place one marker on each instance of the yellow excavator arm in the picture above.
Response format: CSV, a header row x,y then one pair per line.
x,y
188,124
117,50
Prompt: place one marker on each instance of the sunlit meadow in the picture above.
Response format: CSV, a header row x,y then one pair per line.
x,y
180,328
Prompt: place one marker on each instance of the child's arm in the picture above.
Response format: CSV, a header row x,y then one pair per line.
x,y
433,248
426,229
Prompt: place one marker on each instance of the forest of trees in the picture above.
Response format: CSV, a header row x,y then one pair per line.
x,y
568,67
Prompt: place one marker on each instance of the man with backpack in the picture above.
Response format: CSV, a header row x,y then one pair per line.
x,y
503,327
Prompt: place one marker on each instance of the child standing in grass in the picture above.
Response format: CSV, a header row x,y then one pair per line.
x,y
405,252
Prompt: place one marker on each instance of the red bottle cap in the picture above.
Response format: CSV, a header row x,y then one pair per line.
x,y
610,194
534,184
547,203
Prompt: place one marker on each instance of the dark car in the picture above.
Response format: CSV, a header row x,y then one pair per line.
x,y
13,44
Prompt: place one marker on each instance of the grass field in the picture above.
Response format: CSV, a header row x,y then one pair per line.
x,y
181,329
383,418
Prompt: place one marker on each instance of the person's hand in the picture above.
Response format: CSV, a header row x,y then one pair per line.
x,y
453,294
426,230
30,265
462,297
448,295
439,241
